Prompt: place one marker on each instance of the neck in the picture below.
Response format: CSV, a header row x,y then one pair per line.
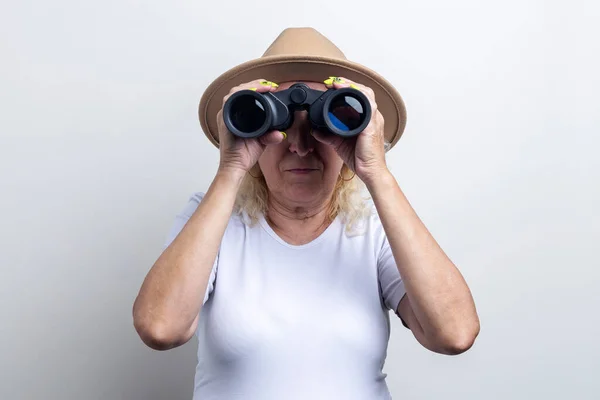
x,y
298,224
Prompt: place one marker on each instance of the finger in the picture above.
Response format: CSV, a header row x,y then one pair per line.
x,y
272,137
263,85
338,82
345,82
258,85
225,136
334,141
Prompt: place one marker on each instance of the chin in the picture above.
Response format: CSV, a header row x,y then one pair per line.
x,y
303,192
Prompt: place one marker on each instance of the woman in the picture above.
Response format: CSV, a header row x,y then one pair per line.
x,y
282,269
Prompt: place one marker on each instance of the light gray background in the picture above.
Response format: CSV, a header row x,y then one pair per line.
x,y
100,147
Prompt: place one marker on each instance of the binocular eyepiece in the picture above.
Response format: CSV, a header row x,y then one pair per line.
x,y
249,114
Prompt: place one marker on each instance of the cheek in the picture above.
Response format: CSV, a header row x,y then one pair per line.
x,y
332,162
269,161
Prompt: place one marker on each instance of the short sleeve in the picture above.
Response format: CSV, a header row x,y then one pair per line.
x,y
180,220
392,286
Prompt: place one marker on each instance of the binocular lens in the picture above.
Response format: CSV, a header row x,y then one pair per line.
x,y
346,113
247,114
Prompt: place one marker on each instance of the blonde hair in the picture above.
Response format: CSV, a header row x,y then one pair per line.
x,y
348,200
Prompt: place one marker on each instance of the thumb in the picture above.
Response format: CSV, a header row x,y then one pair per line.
x,y
273,137
328,139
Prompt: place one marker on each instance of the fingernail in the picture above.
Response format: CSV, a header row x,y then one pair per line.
x,y
269,83
284,135
329,81
353,86
253,88
338,80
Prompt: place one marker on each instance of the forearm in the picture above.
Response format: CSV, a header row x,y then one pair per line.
x,y
439,296
172,293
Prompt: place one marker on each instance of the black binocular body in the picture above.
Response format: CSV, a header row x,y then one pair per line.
x,y
249,114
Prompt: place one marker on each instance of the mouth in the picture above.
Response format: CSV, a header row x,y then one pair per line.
x,y
301,171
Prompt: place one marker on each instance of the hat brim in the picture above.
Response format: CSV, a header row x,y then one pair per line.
x,y
303,68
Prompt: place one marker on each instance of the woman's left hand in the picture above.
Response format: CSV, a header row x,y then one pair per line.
x,y
364,153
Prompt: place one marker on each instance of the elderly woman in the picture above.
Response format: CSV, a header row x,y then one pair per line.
x,y
283,269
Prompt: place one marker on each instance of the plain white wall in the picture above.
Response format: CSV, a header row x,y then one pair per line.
x,y
100,147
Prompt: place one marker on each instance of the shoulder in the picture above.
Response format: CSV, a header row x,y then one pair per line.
x,y
369,229
186,212
366,222
194,200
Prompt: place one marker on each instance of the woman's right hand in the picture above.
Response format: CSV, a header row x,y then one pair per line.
x,y
239,154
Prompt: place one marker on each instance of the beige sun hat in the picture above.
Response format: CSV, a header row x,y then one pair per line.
x,y
303,54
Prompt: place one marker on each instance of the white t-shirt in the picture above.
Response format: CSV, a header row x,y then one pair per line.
x,y
305,322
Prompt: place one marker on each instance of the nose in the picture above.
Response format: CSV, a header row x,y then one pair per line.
x,y
299,137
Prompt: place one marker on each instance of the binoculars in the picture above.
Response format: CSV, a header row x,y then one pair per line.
x,y
249,114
